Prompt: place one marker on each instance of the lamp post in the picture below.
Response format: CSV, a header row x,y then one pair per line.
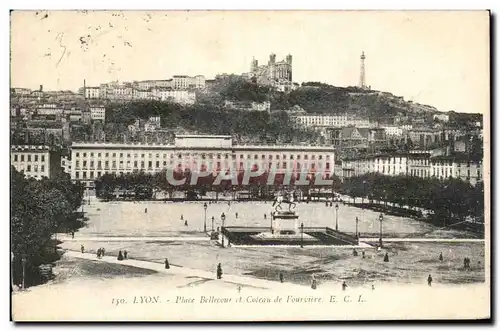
x,y
213,219
357,234
336,217
223,218
23,260
205,218
302,235
380,218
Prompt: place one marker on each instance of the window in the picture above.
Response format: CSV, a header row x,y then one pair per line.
x,y
91,164
135,164
28,168
142,164
35,168
320,157
150,164
157,155
15,157
22,157
91,174
77,154
43,158
92,154
98,154
29,157
84,154
77,164
77,175
157,164
114,154
36,158
164,163
84,175
150,155
142,155
98,174
121,154
106,164
107,154
99,164
85,163
114,164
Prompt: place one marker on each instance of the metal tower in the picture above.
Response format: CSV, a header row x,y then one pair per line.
x,y
362,83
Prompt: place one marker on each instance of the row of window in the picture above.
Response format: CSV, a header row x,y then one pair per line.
x,y
21,157
203,156
99,164
35,168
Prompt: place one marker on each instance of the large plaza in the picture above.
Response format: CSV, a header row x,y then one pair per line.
x,y
153,231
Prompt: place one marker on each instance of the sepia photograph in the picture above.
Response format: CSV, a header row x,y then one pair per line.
x,y
249,166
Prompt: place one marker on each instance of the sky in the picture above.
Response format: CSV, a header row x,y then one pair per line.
x,y
435,58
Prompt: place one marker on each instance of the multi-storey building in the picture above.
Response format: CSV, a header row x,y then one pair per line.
x,y
333,121
178,96
182,82
92,92
98,113
423,137
384,164
393,131
36,161
457,166
90,161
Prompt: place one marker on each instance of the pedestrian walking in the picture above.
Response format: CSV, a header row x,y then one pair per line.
x,y
282,279
219,271
73,235
145,210
98,253
326,204
125,254
167,265
373,287
186,223
236,215
429,280
344,286
363,254
103,251
265,216
82,249
314,284
120,256
386,257
441,257
182,217
354,252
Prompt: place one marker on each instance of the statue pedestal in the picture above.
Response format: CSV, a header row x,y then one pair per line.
x,y
285,222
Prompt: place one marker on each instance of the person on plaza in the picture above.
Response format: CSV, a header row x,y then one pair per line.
x,y
386,257
72,234
236,215
282,279
167,265
363,254
182,217
98,253
354,252
326,203
314,284
186,223
441,257
265,216
373,287
145,210
120,256
82,249
344,285
465,263
125,254
429,280
103,251
219,271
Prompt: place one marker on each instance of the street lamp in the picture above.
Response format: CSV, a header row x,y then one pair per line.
x,y
302,235
205,218
223,218
213,219
336,217
23,260
380,218
357,234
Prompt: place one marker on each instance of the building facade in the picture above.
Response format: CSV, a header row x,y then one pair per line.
x,y
90,161
332,121
278,74
36,161
98,113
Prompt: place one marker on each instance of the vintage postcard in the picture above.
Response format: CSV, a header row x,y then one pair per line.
x,y
249,165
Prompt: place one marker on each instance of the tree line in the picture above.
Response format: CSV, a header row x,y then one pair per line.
x,y
39,209
447,199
